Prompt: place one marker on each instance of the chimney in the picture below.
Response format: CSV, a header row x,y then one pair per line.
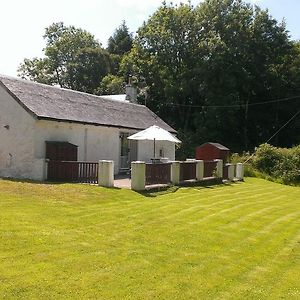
x,y
131,92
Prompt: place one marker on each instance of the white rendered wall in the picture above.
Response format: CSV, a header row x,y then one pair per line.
x,y
23,147
146,151
94,142
16,141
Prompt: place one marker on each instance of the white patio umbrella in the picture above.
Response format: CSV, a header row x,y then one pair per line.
x,y
154,133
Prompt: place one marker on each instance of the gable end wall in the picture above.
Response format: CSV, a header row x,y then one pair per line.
x,y
16,141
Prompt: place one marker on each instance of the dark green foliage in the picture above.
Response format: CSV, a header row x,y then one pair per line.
x,y
205,70
220,53
73,59
111,85
119,44
267,158
280,163
121,41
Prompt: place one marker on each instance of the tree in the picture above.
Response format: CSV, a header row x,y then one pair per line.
x,y
207,67
73,59
121,40
243,68
119,44
112,85
164,54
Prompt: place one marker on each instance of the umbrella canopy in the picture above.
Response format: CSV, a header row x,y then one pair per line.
x,y
154,133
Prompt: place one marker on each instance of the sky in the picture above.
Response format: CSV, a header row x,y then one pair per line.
x,y
22,23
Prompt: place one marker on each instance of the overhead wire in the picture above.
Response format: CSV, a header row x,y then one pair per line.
x,y
285,124
235,105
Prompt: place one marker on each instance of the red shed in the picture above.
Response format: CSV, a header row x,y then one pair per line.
x,y
210,151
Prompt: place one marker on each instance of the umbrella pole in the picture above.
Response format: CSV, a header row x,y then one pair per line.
x,y
154,148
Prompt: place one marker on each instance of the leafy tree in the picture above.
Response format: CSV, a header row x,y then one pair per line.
x,y
119,44
243,68
112,85
35,69
220,53
164,54
73,59
121,40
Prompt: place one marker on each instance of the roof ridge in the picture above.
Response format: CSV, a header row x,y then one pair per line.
x,y
61,104
62,89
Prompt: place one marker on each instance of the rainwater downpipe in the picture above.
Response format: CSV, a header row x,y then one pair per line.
x,y
85,145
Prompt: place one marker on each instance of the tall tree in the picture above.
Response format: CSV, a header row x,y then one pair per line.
x,y
119,44
220,53
73,59
121,40
164,54
242,69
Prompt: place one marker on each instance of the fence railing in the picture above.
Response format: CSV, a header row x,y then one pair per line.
x,y
187,171
209,168
72,171
142,174
158,173
225,171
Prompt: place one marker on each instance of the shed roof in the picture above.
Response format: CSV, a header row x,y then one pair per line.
x,y
54,103
61,143
217,145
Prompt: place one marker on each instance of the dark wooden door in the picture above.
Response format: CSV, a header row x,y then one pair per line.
x,y
58,153
61,151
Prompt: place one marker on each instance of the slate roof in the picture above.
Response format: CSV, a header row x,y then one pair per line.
x,y
53,103
217,145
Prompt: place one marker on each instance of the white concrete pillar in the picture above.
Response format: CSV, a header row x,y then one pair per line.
x,y
240,171
106,173
230,172
175,172
199,170
219,168
138,175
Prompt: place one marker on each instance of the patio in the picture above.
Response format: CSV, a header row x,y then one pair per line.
x,y
122,181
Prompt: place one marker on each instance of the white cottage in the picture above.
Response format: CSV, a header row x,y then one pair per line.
x,y
39,122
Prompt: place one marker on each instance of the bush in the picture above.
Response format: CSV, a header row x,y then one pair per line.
x,y
272,163
267,158
279,163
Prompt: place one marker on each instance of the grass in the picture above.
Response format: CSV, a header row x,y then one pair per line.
x,y
64,241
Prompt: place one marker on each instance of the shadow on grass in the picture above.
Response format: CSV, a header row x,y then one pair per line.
x,y
51,182
158,191
150,192
31,181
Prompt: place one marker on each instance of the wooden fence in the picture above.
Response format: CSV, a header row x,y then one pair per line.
x,y
158,173
225,171
209,168
187,171
72,171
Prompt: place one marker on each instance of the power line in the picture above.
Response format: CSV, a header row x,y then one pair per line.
x,y
234,105
293,117
290,120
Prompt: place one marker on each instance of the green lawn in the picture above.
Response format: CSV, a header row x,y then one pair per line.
x,y
64,241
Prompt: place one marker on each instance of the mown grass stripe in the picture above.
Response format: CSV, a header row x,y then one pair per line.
x,y
79,241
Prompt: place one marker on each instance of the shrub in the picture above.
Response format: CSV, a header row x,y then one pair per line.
x,y
267,158
280,163
272,163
